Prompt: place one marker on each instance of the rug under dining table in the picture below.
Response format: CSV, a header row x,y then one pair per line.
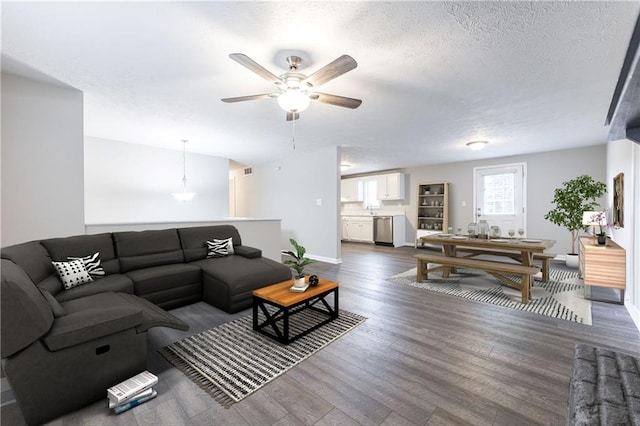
x,y
562,297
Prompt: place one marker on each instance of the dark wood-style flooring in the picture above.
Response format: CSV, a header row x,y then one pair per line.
x,y
421,358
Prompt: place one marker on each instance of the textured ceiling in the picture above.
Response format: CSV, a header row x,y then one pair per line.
x,y
526,76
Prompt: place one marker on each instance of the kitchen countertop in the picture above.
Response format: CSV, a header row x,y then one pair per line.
x,y
375,213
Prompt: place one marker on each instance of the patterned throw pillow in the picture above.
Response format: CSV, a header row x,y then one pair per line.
x,y
72,273
92,263
219,248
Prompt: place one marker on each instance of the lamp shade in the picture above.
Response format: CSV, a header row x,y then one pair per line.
x,y
294,101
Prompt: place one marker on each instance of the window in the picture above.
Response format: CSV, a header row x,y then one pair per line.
x,y
371,195
499,194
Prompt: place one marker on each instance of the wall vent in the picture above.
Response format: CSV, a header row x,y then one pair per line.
x,y
248,171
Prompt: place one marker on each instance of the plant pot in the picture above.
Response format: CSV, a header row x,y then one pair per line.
x,y
602,239
298,282
571,260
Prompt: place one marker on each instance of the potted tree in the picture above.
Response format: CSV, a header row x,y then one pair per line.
x,y
298,263
571,200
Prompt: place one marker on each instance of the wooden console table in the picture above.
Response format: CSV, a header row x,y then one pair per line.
x,y
602,266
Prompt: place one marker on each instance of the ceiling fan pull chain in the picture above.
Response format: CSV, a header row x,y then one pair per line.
x,y
293,132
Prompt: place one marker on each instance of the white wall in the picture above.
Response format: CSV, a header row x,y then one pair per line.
x,y
290,189
42,160
546,171
623,156
128,182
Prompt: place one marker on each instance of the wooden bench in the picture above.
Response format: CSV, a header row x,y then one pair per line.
x,y
545,258
497,269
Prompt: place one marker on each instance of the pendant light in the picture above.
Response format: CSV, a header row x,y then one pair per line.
x,y
184,195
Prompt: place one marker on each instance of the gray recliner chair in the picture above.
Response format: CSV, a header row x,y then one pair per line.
x,y
61,356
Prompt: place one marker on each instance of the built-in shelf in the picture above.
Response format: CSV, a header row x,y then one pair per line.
x,y
433,209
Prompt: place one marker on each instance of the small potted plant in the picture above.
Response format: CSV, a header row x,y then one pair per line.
x,y
601,219
571,201
298,263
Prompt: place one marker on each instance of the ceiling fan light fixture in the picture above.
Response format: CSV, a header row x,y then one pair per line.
x,y
477,145
294,101
183,196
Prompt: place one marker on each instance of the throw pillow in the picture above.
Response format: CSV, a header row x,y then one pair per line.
x,y
92,263
72,273
219,248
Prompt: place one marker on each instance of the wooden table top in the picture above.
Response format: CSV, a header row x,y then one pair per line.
x,y
280,293
517,244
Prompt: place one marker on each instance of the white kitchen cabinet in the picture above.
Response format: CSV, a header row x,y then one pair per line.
x,y
390,186
351,190
357,228
345,229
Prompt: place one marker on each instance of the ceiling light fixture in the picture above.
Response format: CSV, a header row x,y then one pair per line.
x,y
294,100
184,195
477,145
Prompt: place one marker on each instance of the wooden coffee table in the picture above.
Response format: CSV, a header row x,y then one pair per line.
x,y
287,304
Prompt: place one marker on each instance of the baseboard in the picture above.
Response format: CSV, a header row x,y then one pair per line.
x,y
332,260
635,314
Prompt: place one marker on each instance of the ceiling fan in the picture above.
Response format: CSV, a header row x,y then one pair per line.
x,y
295,91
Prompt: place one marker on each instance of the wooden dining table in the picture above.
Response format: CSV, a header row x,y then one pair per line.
x,y
458,249
494,246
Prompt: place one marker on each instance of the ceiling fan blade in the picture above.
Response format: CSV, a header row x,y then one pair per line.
x,y
340,101
247,98
252,65
292,115
343,64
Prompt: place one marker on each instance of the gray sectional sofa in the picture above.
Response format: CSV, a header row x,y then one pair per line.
x,y
62,348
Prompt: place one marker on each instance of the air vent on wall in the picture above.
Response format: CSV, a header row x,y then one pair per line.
x,y
248,171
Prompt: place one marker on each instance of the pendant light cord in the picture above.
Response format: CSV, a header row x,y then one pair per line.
x,y
184,165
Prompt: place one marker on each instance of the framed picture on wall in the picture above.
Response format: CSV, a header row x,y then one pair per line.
x,y
618,201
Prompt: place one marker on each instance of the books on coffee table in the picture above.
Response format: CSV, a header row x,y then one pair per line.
x,y
299,289
132,392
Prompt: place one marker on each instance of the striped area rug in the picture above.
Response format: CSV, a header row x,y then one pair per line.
x,y
562,297
232,361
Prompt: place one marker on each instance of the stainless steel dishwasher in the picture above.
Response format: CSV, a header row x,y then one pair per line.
x,y
383,230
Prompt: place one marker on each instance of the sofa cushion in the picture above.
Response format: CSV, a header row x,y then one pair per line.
x,y
25,313
158,278
61,249
32,257
194,239
117,283
153,316
241,274
145,249
91,318
72,273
